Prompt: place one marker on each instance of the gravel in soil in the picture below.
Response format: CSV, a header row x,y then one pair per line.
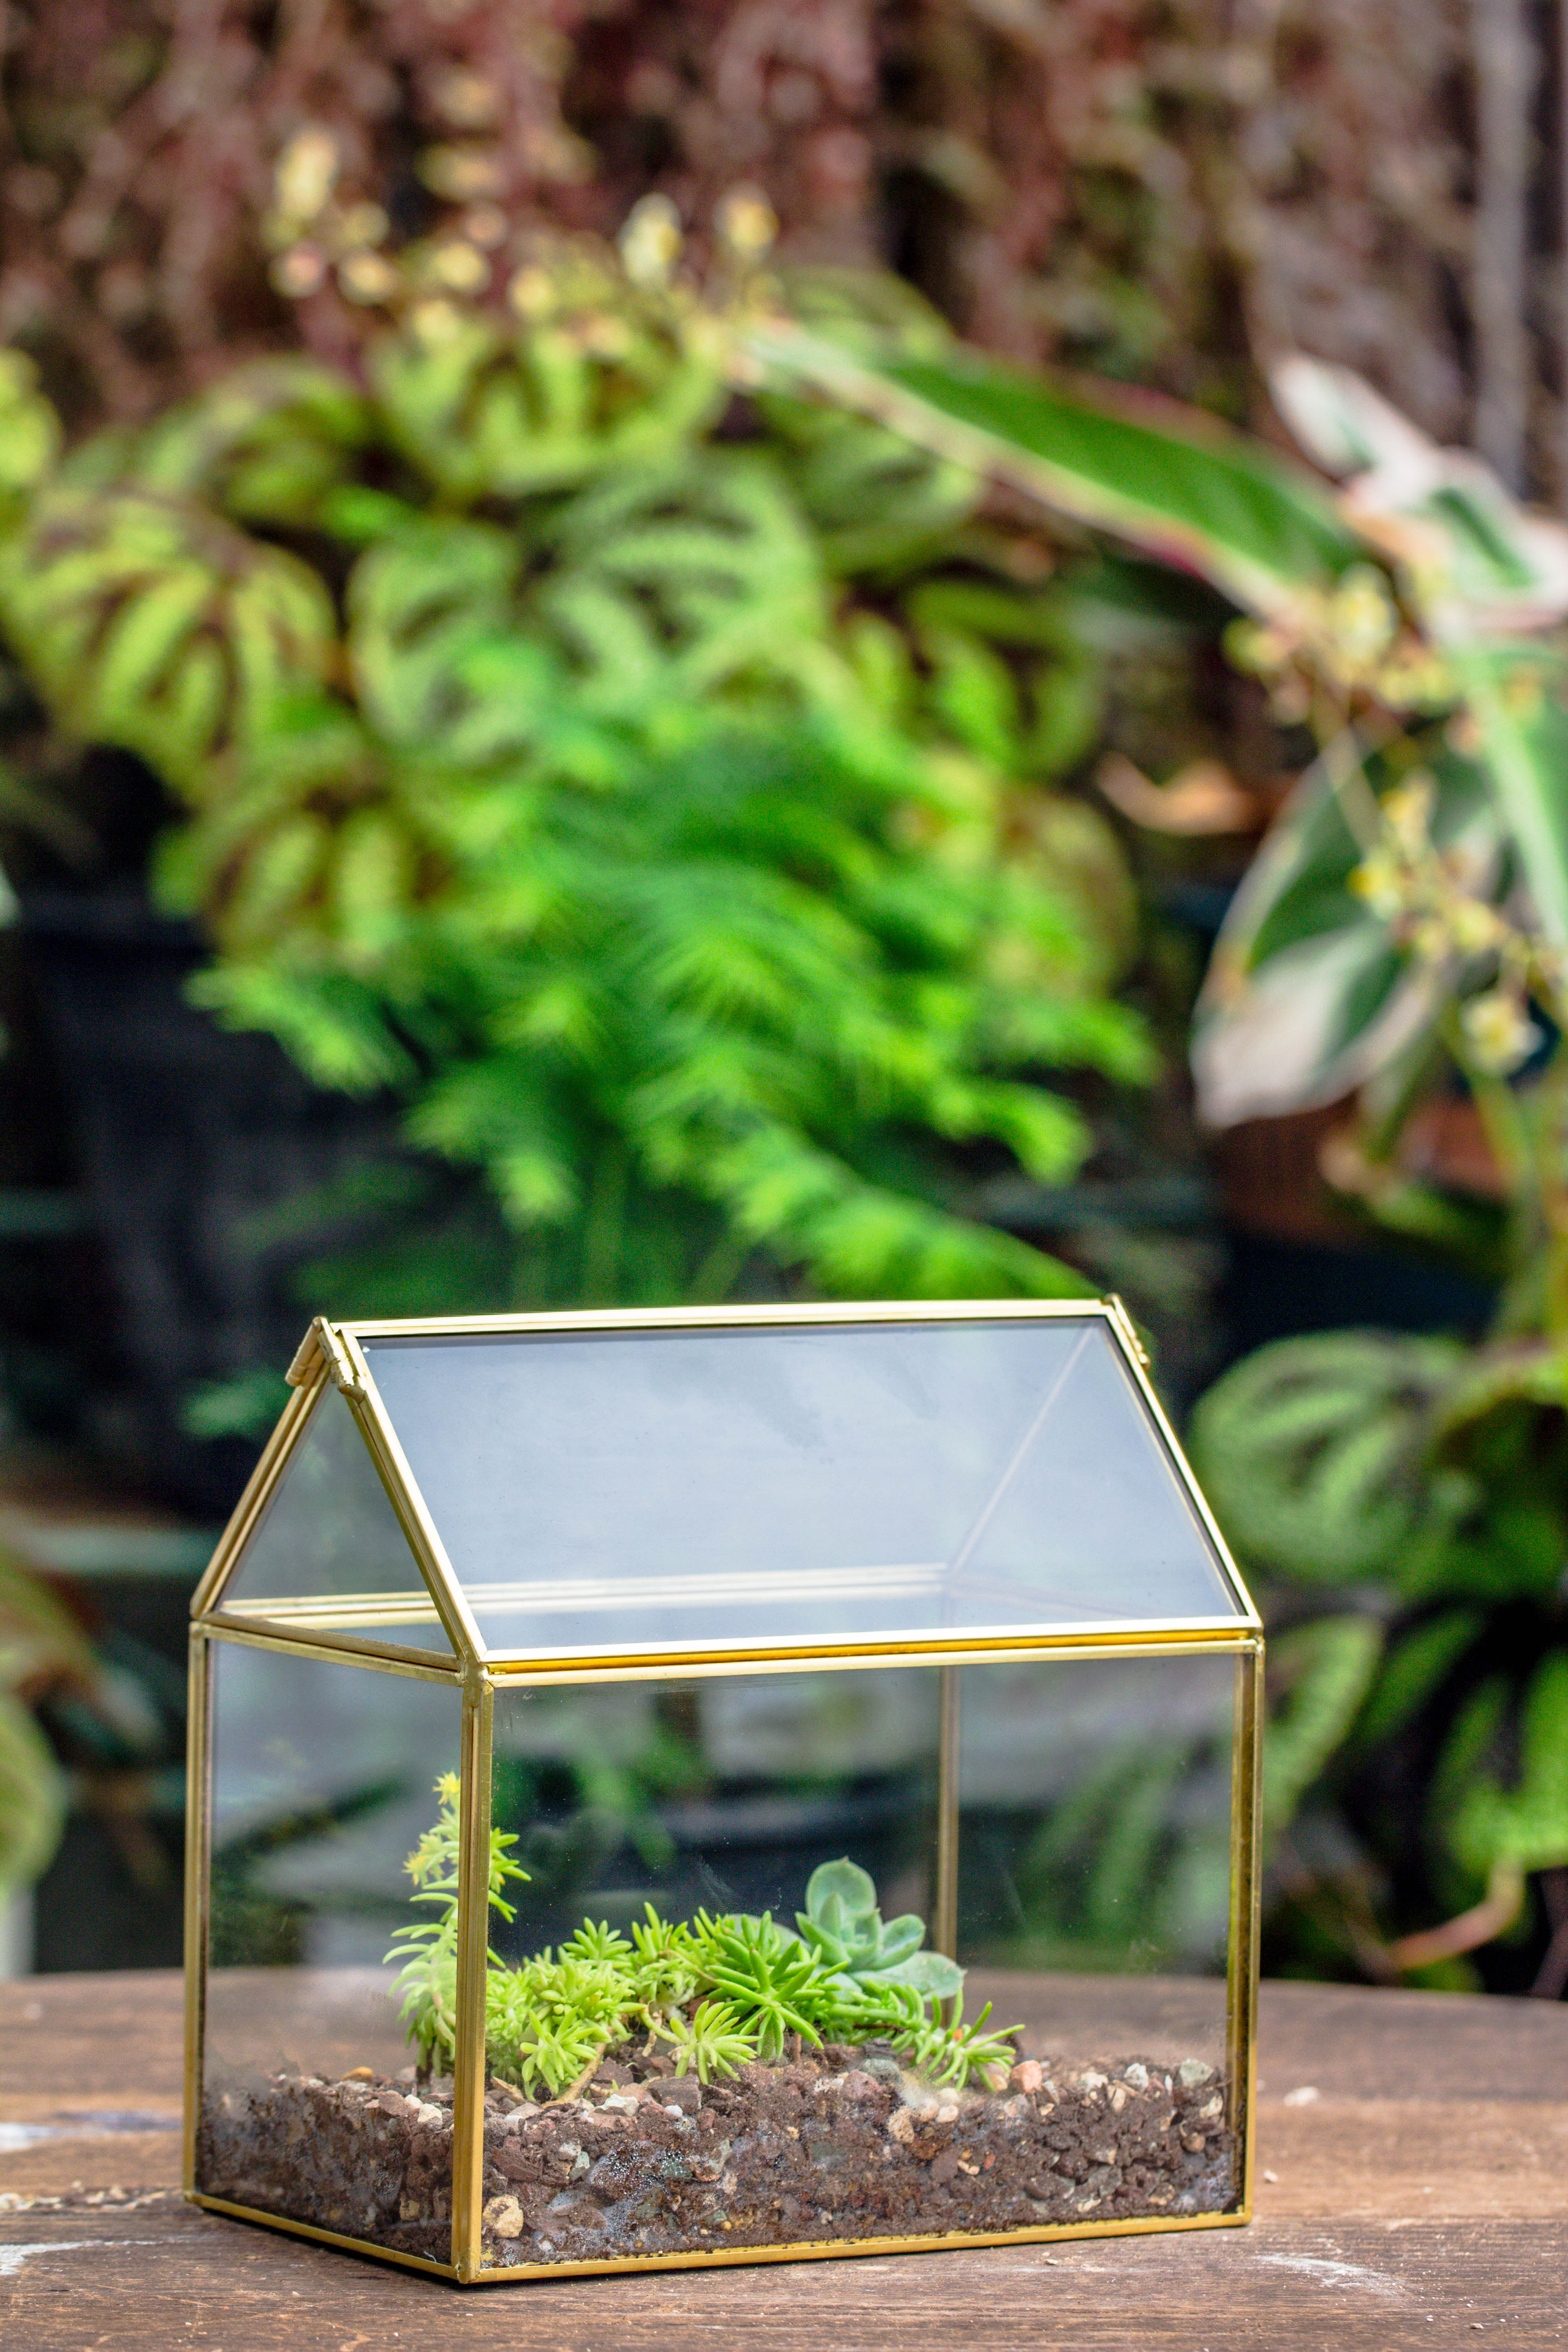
x,y
836,2144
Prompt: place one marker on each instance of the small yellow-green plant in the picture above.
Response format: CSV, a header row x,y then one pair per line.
x,y
719,1991
428,1948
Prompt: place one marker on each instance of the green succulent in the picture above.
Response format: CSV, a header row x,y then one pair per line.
x,y
597,1945
711,2041
534,2037
428,1949
768,1976
666,1970
944,2051
843,1927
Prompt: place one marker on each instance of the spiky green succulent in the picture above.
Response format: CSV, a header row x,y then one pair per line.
x,y
711,2041
771,1980
944,2051
428,1949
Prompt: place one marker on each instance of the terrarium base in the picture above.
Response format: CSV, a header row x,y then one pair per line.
x,y
833,2145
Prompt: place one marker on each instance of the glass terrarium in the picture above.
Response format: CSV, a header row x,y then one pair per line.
x,y
721,1785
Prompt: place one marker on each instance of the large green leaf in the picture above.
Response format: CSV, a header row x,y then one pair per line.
x,y
33,1796
682,577
40,1647
1524,740
267,445
1313,1450
1170,481
1523,1827
419,602
486,413
1474,562
1307,995
29,429
1480,570
153,625
1327,1669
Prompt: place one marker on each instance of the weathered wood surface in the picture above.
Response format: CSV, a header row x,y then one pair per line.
x,y
1421,2199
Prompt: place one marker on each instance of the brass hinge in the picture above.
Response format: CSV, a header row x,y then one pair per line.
x,y
307,1359
322,1344
1128,1328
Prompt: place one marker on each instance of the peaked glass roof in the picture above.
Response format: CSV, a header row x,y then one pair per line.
x,y
642,1489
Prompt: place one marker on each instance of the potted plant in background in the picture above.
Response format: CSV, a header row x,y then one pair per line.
x,y
1402,938
649,794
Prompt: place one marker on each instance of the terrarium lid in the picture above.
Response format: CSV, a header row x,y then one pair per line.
x,y
697,1485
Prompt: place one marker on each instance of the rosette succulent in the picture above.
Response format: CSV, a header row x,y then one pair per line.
x,y
843,1929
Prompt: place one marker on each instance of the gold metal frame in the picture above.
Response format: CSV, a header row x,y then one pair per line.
x,y
333,1354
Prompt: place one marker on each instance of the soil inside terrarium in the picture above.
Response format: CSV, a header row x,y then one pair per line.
x,y
834,2144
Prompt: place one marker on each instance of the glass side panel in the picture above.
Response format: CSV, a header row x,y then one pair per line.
x,y
321,1783
1095,1805
725,1794
796,1816
667,1489
329,1554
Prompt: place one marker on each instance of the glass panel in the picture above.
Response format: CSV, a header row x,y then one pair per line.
x,y
322,1778
830,2100
655,1489
1094,1802
721,1797
329,1554
725,1794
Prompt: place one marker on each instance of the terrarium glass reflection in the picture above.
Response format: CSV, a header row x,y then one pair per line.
x,y
707,1789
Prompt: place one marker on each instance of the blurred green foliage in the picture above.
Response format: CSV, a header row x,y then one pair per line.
x,y
76,1729
1132,1868
1407,1500
41,1649
1402,932
650,785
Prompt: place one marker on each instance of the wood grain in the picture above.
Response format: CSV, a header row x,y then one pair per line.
x,y
1421,2200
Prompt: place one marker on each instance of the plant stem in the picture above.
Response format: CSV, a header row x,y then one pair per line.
x,y
563,2098
1551,1182
1481,1924
1515,1150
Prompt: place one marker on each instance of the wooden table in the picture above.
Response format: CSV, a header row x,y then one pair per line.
x,y
1415,2195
